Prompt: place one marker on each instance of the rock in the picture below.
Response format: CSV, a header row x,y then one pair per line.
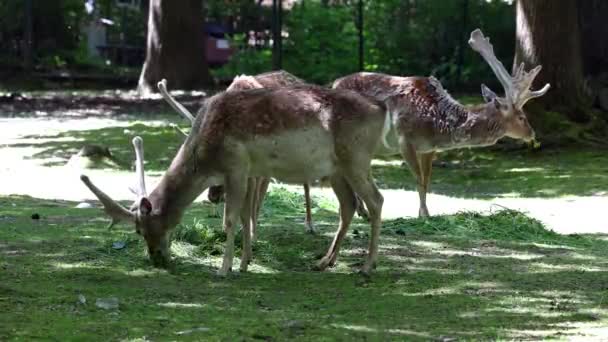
x,y
84,205
110,303
190,331
82,299
602,98
119,245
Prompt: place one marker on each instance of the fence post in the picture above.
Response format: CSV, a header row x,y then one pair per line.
x,y
277,39
28,36
361,38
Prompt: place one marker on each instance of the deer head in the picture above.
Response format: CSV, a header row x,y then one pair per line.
x,y
517,90
148,222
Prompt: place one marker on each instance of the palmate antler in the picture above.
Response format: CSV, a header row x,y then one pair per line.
x,y
114,209
517,87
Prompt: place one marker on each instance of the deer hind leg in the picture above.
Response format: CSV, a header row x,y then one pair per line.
x,y
247,220
366,188
308,219
346,197
426,167
236,190
361,211
409,154
260,190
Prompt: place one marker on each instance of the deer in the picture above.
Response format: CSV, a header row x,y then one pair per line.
x,y
426,120
272,79
294,134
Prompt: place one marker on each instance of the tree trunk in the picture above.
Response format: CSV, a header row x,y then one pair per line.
x,y
548,34
176,46
594,35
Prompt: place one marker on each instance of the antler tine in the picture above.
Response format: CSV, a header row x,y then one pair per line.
x,y
162,87
523,84
116,211
138,144
482,45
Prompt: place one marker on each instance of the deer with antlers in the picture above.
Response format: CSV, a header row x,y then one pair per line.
x,y
426,119
295,134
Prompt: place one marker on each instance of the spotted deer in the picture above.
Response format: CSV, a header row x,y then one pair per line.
x,y
272,79
425,119
294,134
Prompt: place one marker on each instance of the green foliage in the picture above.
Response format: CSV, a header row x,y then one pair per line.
x,y
209,241
322,42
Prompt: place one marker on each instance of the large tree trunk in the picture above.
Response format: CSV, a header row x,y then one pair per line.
x,y
176,46
548,34
594,32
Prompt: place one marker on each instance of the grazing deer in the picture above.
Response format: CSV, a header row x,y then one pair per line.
x,y
272,79
426,119
294,134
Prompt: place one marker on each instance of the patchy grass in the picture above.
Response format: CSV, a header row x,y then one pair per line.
x,y
483,173
478,173
466,276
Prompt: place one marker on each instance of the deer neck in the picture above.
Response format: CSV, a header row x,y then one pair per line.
x,y
482,127
178,188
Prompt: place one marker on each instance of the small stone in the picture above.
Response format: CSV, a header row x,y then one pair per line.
x,y
82,299
107,303
190,331
119,245
84,205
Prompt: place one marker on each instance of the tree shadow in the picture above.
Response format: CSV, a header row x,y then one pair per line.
x,y
491,174
160,142
448,277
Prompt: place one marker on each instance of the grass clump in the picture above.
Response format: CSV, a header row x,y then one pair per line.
x,y
209,241
503,225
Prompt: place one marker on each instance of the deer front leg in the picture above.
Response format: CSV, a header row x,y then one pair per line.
x,y
426,167
247,222
258,200
346,197
236,189
308,219
409,154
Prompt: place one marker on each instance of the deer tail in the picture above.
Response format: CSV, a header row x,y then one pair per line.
x,y
388,122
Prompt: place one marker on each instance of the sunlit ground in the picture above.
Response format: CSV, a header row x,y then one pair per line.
x,y
499,275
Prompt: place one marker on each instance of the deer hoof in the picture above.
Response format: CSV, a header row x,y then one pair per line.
x,y
244,265
423,212
310,228
223,272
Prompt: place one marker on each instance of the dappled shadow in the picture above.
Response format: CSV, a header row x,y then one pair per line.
x,y
161,144
93,103
463,276
490,174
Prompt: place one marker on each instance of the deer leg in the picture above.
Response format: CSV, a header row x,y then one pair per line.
x,y
346,197
361,211
236,190
409,154
366,188
308,220
258,200
247,222
426,166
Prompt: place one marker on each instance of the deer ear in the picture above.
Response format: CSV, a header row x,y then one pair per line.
x,y
145,206
488,95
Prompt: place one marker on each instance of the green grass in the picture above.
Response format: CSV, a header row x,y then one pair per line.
x,y
465,276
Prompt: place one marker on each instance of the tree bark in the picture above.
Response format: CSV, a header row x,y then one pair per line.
x,y
175,47
548,34
594,35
